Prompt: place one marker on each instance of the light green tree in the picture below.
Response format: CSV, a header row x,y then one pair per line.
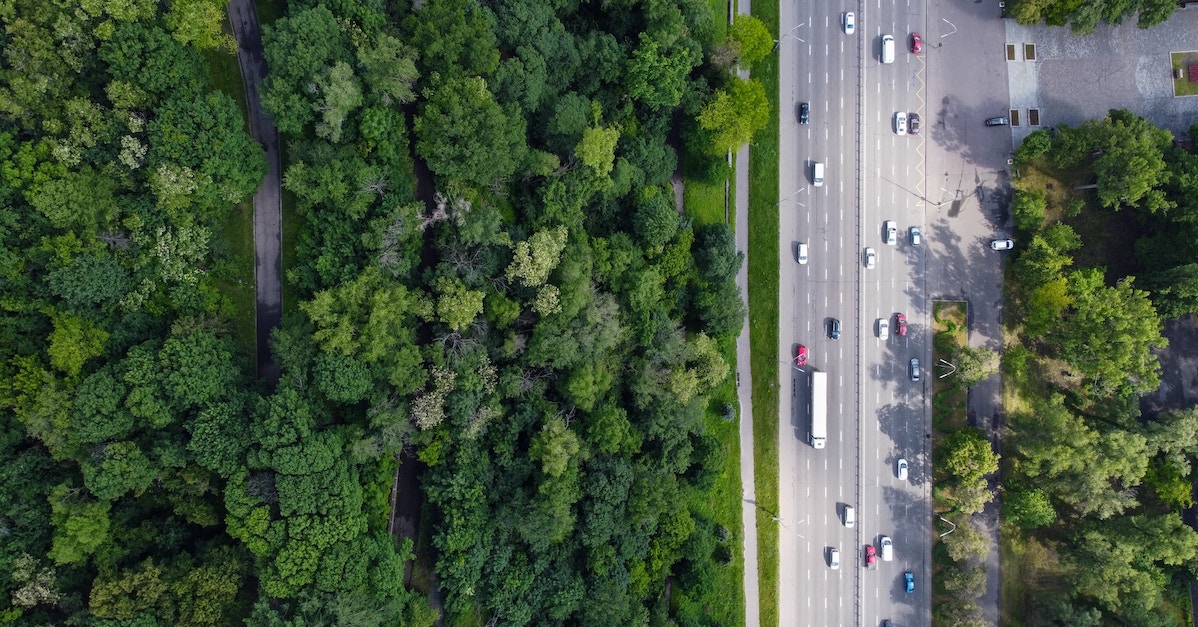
x,y
734,115
73,342
597,149
457,306
534,258
753,38
555,447
340,94
81,525
201,24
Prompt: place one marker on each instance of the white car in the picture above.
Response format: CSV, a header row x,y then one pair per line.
x,y
883,329
891,232
871,258
1002,244
900,122
834,558
849,21
901,469
916,236
802,253
887,548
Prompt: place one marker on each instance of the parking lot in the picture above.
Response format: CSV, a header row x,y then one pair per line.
x,y
1078,78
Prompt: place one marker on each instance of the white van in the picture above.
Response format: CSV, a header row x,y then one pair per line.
x,y
817,174
850,516
887,49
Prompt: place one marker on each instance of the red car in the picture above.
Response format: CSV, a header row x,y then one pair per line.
x,y
871,555
916,43
900,324
801,355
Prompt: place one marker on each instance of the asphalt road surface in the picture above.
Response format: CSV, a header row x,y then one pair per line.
x,y
268,208
876,414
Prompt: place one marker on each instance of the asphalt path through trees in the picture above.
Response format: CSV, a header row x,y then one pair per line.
x,y
268,208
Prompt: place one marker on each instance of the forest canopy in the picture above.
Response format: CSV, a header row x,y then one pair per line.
x,y
490,278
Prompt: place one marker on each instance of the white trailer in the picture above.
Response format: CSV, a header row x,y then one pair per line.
x,y
819,410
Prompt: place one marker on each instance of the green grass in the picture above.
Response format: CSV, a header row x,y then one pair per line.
x,y
719,11
236,232
705,201
725,604
269,10
763,321
1181,61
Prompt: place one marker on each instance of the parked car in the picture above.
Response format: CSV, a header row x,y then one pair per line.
x,y
999,121
901,471
900,123
883,329
913,123
1002,244
900,324
915,369
834,558
916,43
849,21
871,556
916,236
909,581
801,355
804,112
891,232
834,329
871,258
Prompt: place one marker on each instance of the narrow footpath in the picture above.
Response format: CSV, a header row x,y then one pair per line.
x,y
268,207
744,382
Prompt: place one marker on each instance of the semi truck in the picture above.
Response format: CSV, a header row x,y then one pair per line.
x,y
819,410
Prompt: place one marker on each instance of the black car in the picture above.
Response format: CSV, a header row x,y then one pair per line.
x,y
999,121
834,329
804,112
913,123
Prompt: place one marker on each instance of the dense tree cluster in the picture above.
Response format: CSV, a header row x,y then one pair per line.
x,y
147,481
1084,15
1089,476
539,326
541,332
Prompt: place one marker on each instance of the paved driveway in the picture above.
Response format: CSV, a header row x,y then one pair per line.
x,y
1075,79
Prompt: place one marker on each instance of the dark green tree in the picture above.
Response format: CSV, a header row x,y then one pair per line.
x,y
465,136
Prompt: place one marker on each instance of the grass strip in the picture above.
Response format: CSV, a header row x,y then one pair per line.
x,y
763,321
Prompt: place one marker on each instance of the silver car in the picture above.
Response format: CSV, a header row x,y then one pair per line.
x,y
871,258
916,236
915,369
891,232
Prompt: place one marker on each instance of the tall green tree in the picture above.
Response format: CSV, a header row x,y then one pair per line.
x,y
465,135
734,115
1110,334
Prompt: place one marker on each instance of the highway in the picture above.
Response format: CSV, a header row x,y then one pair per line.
x,y
876,413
